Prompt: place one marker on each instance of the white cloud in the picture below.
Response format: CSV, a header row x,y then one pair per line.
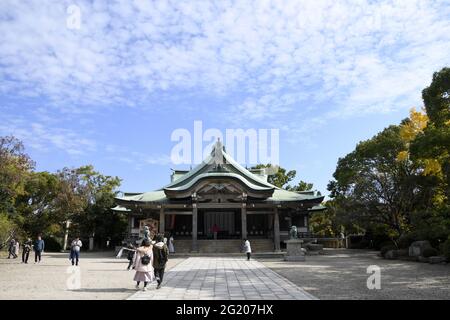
x,y
40,136
284,58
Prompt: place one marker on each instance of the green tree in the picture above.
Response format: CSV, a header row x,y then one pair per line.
x,y
7,229
15,167
431,150
324,224
431,147
301,186
97,218
377,189
37,207
281,178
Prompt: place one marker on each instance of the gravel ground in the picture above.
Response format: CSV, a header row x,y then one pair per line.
x,y
342,274
102,276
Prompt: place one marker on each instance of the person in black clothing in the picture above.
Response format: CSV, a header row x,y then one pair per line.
x,y
130,255
160,257
12,249
27,246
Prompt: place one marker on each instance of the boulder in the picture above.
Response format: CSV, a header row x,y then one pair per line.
x,y
314,247
402,252
416,248
436,259
391,254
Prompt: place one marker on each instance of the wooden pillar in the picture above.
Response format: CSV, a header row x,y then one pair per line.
x,y
244,221
194,227
162,220
130,223
276,229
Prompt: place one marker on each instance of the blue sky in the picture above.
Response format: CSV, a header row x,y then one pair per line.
x,y
327,74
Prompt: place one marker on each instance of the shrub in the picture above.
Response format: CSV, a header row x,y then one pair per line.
x,y
405,241
52,245
385,249
7,228
363,244
402,253
445,249
429,252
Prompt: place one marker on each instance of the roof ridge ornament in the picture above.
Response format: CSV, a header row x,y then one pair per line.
x,y
217,153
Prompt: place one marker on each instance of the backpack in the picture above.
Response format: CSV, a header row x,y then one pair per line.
x,y
162,256
145,260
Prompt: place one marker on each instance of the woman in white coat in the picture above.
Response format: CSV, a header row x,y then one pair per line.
x,y
171,246
247,248
143,264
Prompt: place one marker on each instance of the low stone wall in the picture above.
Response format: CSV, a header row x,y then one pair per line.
x,y
334,243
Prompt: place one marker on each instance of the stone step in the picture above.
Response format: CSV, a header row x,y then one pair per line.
x,y
257,255
223,246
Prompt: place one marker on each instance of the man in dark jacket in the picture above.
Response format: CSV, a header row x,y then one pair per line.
x,y
160,257
38,248
26,250
12,249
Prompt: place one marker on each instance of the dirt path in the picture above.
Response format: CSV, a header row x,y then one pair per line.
x,y
102,276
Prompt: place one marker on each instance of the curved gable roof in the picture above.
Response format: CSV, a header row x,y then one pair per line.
x,y
220,165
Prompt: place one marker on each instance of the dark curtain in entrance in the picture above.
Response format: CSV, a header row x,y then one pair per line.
x,y
224,220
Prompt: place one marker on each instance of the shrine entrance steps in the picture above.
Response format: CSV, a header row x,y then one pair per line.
x,y
223,246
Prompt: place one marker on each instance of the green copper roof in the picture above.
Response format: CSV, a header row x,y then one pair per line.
x,y
152,196
197,178
224,167
220,165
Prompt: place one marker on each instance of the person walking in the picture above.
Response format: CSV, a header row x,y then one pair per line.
x,y
130,254
247,248
160,257
146,232
27,246
38,247
75,248
17,248
143,264
171,246
12,249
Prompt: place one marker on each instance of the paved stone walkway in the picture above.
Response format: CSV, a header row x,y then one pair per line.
x,y
210,278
